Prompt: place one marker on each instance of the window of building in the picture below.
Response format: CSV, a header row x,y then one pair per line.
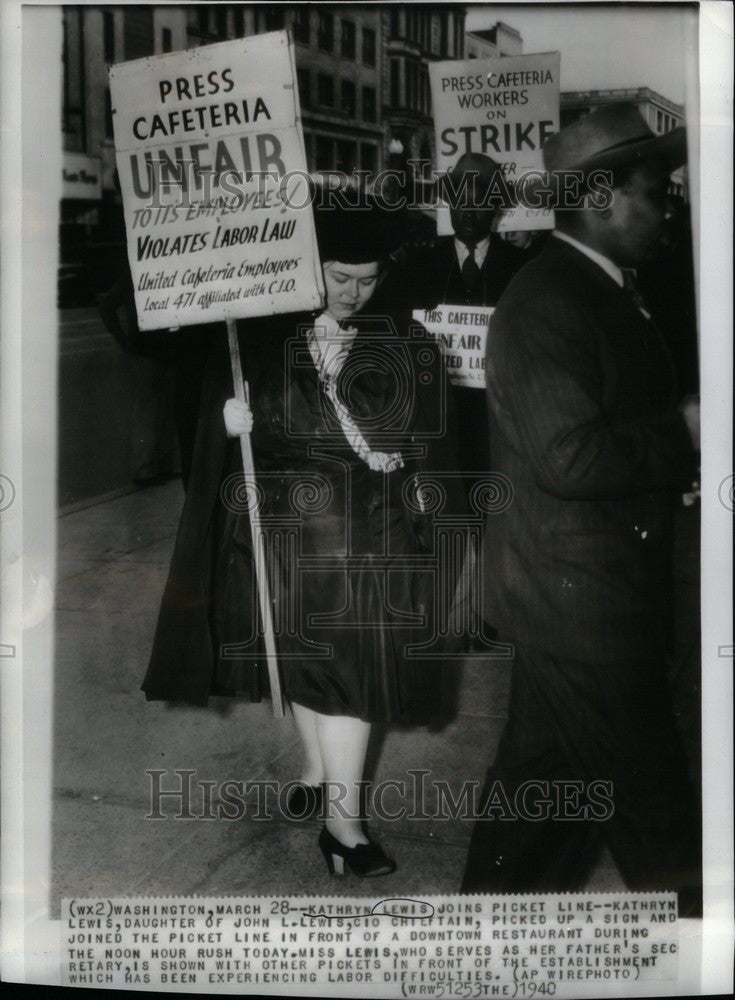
x,y
203,20
239,22
368,157
75,102
325,90
274,20
309,150
369,104
108,35
324,147
348,98
395,83
346,155
326,32
443,34
368,46
301,25
304,79
412,90
109,131
395,23
65,67
458,35
348,39
659,121
166,40
222,22
435,32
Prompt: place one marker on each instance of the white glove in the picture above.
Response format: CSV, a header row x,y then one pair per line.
x,y
238,418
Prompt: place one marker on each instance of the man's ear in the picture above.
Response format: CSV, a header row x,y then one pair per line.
x,y
598,202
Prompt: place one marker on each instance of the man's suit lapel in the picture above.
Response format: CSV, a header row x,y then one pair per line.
x,y
609,295
629,333
495,273
452,287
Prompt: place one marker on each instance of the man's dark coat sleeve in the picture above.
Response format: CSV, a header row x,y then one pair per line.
x,y
547,380
584,426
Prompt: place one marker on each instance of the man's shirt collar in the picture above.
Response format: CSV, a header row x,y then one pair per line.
x,y
604,262
463,251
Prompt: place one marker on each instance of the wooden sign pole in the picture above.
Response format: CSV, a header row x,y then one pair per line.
x,y
259,556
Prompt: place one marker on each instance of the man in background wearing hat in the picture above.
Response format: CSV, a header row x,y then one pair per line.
x,y
586,424
475,265
471,268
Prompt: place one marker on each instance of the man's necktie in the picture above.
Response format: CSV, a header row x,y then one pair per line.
x,y
470,271
630,284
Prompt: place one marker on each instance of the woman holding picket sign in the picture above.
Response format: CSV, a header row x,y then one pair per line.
x,y
354,449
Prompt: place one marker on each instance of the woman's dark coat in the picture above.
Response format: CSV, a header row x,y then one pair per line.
x,y
206,642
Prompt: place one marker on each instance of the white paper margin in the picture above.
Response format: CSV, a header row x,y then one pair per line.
x,y
31,160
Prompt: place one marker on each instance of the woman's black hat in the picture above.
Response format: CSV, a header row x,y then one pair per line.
x,y
356,234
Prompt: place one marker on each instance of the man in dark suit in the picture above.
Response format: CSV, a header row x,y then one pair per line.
x,y
472,268
585,424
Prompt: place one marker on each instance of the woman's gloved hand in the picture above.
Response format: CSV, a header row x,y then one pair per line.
x,y
238,418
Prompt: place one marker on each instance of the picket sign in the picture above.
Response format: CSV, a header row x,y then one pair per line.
x,y
212,166
461,333
504,107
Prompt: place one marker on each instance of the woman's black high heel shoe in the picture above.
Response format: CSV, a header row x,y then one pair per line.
x,y
305,801
364,860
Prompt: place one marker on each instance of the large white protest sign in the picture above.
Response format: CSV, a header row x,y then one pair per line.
x,y
505,108
461,332
204,139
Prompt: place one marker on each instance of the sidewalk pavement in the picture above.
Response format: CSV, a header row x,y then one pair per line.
x,y
112,564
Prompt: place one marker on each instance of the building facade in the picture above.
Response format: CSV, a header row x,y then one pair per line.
x,y
362,71
414,36
489,43
363,80
661,115
339,64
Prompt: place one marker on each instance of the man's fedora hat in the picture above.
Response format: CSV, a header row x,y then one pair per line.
x,y
612,136
478,166
483,174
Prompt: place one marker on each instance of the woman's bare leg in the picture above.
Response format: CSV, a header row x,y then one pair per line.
x,y
343,743
312,769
